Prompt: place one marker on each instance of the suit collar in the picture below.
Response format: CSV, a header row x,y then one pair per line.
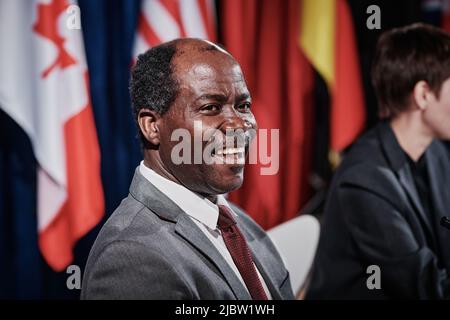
x,y
146,193
193,204
437,172
391,148
398,161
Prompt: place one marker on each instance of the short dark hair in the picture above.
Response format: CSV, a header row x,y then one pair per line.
x,y
405,56
153,84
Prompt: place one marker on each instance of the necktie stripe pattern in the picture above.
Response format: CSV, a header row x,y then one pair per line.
x,y
239,251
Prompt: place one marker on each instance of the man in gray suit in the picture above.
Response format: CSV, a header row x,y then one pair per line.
x,y
175,236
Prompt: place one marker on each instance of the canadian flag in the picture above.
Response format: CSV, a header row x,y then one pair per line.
x,y
165,20
44,88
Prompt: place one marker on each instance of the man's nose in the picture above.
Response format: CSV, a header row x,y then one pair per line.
x,y
235,120
236,129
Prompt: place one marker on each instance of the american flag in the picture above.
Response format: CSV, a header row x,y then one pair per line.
x,y
164,20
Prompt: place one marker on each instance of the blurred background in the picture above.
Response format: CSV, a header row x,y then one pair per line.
x,y
307,65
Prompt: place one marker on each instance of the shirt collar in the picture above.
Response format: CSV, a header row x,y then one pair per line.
x,y
196,206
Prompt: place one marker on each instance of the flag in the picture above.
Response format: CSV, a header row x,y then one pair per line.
x,y
327,39
436,12
262,35
164,20
446,15
44,88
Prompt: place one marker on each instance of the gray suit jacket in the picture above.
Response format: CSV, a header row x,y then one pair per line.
x,y
150,249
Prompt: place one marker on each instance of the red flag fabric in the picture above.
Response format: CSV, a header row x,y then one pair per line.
x,y
446,16
263,37
348,112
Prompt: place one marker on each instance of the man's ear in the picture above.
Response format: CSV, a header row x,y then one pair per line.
x,y
148,123
422,94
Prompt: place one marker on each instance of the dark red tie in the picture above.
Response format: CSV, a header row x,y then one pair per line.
x,y
239,251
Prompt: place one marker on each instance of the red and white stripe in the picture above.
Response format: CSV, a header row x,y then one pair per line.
x,y
44,87
165,20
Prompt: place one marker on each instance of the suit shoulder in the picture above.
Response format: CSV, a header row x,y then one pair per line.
x,y
367,149
122,218
364,159
378,180
131,221
365,168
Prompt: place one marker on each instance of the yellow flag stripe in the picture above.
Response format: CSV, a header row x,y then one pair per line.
x,y
317,36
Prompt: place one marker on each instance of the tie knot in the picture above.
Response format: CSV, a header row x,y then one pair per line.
x,y
226,219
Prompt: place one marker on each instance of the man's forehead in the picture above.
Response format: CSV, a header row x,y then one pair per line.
x,y
206,71
203,77
185,60
200,65
214,68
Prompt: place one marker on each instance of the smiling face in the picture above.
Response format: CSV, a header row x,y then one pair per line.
x,y
437,114
212,91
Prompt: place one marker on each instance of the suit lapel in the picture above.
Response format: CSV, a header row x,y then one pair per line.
x,y
186,228
265,272
437,184
438,173
407,182
268,276
399,164
150,196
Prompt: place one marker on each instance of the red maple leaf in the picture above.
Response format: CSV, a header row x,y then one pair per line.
x,y
47,26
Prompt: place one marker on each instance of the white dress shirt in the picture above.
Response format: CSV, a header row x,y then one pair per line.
x,y
203,213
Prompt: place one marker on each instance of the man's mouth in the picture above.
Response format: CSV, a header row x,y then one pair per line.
x,y
229,151
230,155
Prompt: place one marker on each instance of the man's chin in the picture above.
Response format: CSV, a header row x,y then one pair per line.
x,y
229,181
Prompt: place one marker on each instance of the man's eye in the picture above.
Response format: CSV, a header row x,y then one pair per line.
x,y
211,107
245,107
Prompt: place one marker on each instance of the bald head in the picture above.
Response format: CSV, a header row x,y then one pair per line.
x,y
193,46
195,55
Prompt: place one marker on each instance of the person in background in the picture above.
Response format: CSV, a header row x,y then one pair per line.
x,y
381,236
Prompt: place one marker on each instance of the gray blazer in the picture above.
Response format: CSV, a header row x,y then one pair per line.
x,y
150,249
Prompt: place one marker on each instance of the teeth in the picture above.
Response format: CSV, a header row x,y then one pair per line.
x,y
230,151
